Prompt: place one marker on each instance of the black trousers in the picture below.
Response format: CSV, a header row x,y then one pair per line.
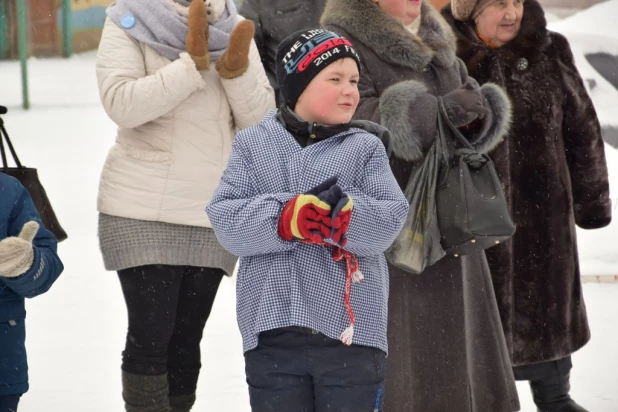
x,y
168,307
296,371
8,403
545,370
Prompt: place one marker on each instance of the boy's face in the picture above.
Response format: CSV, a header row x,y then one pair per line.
x,y
332,96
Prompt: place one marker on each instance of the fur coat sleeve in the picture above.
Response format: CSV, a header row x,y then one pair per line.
x,y
409,110
584,145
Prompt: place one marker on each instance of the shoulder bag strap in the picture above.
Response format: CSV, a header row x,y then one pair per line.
x,y
5,136
444,120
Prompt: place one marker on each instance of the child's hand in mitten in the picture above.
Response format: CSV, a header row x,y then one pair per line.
x,y
340,219
308,215
235,60
16,253
197,38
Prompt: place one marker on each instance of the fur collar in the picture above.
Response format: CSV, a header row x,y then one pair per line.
x,y
531,42
388,38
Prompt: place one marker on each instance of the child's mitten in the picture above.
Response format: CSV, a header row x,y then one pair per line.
x,y
308,215
340,219
235,60
197,38
16,253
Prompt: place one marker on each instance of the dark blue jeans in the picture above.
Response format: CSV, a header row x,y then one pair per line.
x,y
296,371
8,403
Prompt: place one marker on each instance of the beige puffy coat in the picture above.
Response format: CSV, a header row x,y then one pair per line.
x,y
175,128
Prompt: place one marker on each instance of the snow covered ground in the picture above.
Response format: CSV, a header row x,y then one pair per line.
x,y
76,332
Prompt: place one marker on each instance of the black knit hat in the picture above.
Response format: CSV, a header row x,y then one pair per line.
x,y
303,54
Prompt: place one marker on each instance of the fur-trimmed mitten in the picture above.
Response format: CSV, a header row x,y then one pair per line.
x,y
235,60
464,105
197,38
16,253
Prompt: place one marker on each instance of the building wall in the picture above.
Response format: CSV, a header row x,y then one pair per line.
x,y
42,32
88,17
45,26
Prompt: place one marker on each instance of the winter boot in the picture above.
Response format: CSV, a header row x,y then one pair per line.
x,y
182,403
144,393
552,395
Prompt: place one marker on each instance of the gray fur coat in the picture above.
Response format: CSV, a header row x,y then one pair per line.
x,y
444,329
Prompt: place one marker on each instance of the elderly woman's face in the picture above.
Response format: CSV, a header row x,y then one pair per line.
x,y
405,11
500,22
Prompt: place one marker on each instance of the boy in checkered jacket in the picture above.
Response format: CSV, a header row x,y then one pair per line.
x,y
309,203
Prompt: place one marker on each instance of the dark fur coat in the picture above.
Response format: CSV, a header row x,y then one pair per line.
x,y
444,331
552,165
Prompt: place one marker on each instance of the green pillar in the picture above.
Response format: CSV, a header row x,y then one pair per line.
x,y
67,29
4,41
22,34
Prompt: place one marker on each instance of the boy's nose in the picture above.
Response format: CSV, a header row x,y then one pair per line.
x,y
348,89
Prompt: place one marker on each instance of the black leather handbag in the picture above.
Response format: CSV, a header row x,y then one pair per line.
x,y
472,211
29,178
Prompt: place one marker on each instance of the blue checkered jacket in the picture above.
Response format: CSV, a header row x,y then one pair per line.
x,y
291,283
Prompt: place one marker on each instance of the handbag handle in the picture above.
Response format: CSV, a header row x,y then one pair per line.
x,y
5,136
443,123
443,118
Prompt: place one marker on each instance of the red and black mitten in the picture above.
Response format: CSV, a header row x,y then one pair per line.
x,y
308,215
340,219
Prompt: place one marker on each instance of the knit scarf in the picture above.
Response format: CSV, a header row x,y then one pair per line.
x,y
162,27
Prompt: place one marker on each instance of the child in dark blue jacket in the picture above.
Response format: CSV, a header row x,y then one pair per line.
x,y
29,266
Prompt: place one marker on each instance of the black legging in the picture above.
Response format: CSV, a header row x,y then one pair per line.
x,y
559,368
168,307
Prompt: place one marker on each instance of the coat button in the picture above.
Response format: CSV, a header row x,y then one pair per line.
x,y
425,69
522,64
127,21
